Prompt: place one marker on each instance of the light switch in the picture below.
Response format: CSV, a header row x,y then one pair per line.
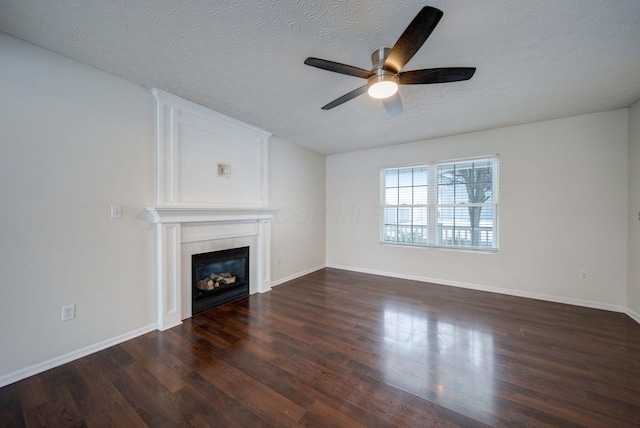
x,y
116,211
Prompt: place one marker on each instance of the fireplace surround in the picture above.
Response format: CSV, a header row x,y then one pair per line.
x,y
183,232
211,195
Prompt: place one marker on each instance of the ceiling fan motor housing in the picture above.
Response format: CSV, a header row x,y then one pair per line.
x,y
378,57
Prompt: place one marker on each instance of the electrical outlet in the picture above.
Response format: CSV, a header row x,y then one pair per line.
x,y
68,312
584,275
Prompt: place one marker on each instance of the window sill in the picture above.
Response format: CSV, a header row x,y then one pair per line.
x,y
440,247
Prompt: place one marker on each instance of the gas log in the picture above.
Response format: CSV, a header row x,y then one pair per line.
x,y
215,281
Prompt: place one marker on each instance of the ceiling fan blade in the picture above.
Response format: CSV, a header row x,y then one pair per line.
x,y
413,38
393,105
346,97
436,75
338,68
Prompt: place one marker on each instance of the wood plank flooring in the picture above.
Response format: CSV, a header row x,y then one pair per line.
x,y
344,349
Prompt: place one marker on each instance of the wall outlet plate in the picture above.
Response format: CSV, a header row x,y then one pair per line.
x,y
68,312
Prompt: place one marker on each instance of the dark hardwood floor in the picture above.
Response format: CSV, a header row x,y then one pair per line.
x,y
337,348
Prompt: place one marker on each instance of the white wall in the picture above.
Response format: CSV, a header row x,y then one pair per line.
x,y
74,141
297,191
633,296
563,209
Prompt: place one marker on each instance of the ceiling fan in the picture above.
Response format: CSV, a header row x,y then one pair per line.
x,y
385,74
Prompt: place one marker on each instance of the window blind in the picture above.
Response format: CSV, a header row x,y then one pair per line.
x,y
445,204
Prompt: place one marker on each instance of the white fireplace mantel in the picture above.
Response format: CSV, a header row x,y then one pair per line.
x,y
172,214
177,227
211,194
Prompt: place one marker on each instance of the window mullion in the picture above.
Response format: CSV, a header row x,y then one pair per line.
x,y
432,201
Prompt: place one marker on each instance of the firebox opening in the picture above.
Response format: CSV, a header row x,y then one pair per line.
x,y
219,277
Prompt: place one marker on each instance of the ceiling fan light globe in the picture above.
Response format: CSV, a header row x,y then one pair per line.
x,y
382,85
381,90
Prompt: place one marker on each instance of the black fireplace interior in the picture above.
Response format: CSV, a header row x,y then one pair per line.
x,y
219,277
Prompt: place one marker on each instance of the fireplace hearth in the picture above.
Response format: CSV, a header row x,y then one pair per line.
x,y
219,277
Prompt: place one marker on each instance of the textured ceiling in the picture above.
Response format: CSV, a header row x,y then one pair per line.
x,y
535,60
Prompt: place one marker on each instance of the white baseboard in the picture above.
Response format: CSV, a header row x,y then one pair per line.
x,y
517,293
296,275
634,315
26,372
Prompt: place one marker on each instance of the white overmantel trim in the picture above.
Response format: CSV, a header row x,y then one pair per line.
x,y
208,214
206,113
172,113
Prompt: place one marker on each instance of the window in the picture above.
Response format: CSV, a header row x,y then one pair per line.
x,y
442,204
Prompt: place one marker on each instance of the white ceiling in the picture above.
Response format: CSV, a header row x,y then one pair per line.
x,y
535,60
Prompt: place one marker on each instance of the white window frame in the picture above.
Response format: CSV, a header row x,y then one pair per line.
x,y
432,219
